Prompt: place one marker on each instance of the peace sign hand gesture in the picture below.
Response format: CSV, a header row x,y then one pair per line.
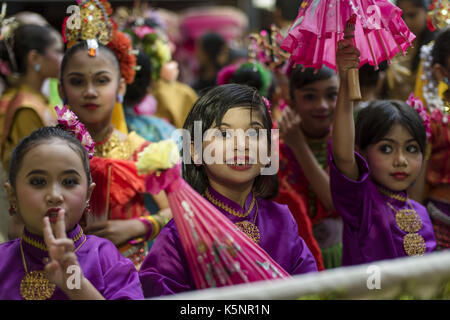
x,y
61,251
62,256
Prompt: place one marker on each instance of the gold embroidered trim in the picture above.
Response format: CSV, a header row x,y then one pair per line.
x,y
392,195
34,243
42,246
225,207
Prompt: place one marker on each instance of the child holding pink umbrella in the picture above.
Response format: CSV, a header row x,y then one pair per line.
x,y
239,191
369,186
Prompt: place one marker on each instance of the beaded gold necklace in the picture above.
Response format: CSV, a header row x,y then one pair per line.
x,y
247,227
35,285
225,207
409,221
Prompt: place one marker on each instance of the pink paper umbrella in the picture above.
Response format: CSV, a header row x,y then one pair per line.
x,y
379,32
218,253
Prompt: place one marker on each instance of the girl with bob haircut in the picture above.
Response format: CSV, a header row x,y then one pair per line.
x,y
233,184
369,186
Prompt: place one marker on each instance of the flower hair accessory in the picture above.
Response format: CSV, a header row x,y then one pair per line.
x,y
267,103
417,104
68,121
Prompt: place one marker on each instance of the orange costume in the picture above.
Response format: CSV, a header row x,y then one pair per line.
x,y
119,191
27,111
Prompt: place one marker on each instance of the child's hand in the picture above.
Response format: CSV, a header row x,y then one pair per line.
x,y
347,57
289,125
60,249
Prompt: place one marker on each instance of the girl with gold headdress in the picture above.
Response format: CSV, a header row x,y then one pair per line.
x,y
94,73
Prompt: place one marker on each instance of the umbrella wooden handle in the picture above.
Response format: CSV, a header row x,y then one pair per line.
x,y
354,91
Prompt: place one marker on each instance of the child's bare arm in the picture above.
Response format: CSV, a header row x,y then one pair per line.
x,y
347,57
293,137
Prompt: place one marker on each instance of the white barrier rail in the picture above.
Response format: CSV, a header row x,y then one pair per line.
x,y
426,277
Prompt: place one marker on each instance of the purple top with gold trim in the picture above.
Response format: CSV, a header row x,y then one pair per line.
x,y
166,271
114,276
371,231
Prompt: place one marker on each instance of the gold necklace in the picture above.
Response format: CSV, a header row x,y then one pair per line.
x,y
391,194
249,228
35,285
409,221
114,148
225,207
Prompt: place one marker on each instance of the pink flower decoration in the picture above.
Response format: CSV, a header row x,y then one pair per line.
x,y
142,31
69,122
417,104
226,73
267,103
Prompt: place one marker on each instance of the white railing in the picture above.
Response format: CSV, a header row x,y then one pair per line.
x,y
412,277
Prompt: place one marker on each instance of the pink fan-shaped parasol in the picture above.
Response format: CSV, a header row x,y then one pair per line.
x,y
217,252
379,31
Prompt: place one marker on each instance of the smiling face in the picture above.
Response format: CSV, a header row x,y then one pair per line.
x,y
315,104
395,161
239,162
51,176
91,85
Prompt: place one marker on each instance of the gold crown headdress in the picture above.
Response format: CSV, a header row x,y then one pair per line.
x,y
91,21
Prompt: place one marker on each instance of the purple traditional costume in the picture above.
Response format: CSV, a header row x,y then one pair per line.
x,y
378,223
165,269
113,275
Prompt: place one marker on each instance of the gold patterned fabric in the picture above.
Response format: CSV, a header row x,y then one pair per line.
x,y
119,146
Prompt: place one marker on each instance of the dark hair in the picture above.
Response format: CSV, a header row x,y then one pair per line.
x,y
376,120
368,76
441,48
256,76
25,38
42,136
212,44
288,8
137,90
209,109
425,37
82,45
301,77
